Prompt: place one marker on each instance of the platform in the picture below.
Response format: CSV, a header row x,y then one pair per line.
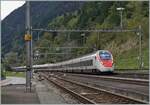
x,y
12,80
16,94
13,91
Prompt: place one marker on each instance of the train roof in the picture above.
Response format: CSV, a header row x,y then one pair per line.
x,y
85,57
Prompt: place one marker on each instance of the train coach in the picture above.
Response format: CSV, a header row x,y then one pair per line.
x,y
100,61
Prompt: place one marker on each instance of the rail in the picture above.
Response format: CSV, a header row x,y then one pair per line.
x,y
105,93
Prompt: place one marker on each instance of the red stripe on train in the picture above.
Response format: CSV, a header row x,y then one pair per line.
x,y
107,63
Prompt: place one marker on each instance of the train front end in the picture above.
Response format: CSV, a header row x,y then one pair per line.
x,y
104,61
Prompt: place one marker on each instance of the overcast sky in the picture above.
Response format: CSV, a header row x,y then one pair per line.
x,y
8,6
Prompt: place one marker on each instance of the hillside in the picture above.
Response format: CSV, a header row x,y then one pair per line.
x,y
97,15
13,26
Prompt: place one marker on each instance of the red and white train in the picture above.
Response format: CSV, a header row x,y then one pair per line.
x,y
100,61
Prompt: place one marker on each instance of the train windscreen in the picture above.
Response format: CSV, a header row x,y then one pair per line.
x,y
105,55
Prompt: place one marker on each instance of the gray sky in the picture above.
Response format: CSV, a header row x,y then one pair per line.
x,y
8,6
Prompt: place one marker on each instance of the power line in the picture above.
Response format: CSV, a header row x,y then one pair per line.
x,y
54,53
87,30
60,47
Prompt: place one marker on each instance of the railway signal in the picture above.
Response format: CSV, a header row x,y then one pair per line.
x,y
27,37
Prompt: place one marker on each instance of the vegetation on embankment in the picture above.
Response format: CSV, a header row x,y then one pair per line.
x,y
130,59
5,72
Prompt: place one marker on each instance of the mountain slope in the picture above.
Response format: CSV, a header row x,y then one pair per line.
x,y
13,26
91,15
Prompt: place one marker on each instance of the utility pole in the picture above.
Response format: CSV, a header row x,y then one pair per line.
x,y
38,36
140,48
28,38
31,57
98,40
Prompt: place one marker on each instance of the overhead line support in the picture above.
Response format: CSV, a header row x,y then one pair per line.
x,y
28,38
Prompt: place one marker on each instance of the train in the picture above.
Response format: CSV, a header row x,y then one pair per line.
x,y
100,61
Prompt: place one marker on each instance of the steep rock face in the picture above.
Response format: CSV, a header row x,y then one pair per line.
x,y
13,26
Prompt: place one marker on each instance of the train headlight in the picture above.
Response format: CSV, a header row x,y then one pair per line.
x,y
102,63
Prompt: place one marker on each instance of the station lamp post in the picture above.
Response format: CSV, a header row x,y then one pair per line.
x,y
121,12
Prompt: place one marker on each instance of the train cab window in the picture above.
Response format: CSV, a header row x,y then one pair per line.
x,y
105,55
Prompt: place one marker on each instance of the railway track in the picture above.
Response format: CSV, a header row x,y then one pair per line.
x,y
89,94
132,75
136,81
128,88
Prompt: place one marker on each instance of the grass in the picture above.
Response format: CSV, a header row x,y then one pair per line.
x,y
15,74
129,59
146,58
